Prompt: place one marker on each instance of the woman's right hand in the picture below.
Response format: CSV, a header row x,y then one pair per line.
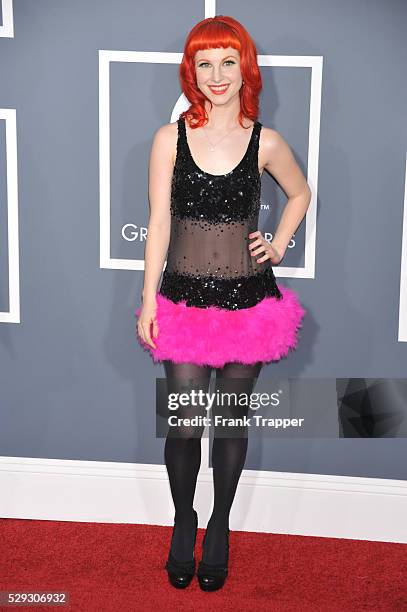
x,y
146,318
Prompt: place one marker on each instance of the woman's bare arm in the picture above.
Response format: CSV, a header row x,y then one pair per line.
x,y
279,160
159,190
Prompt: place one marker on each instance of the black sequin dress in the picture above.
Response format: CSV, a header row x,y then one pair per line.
x,y
216,304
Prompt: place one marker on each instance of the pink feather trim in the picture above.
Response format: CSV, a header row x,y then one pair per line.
x,y
215,336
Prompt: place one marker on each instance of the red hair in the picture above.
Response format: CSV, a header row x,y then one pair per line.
x,y
212,33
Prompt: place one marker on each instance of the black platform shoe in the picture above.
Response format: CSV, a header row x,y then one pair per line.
x,y
210,576
180,573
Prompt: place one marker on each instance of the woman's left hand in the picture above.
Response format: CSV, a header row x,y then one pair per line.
x,y
270,251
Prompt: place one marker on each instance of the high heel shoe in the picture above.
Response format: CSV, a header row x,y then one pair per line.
x,y
180,573
212,576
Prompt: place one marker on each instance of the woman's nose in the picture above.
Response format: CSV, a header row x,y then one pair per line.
x,y
217,74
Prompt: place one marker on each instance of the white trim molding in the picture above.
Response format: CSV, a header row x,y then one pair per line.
x,y
13,313
402,331
269,502
7,27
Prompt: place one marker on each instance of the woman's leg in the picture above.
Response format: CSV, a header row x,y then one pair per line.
x,y
182,453
228,454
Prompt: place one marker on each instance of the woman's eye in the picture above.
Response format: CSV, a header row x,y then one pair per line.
x,y
207,63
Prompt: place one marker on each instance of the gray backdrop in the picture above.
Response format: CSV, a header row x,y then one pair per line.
x,y
74,381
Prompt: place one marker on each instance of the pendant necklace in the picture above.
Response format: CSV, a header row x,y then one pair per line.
x,y
213,146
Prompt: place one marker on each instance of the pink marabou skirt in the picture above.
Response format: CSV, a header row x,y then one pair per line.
x,y
215,336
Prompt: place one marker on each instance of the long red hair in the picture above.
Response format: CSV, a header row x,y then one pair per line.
x,y
212,33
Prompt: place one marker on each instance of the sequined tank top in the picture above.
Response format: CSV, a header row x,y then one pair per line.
x,y
208,259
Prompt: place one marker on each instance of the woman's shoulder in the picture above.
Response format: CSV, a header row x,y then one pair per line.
x,y
270,138
166,134
166,131
165,137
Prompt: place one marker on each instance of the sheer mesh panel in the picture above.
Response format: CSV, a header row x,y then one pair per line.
x,y
221,250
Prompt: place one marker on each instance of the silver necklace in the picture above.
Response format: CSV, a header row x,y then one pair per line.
x,y
213,146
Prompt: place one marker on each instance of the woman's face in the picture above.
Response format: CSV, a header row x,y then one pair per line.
x,y
218,73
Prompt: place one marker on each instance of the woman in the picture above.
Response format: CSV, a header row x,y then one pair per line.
x,y
218,305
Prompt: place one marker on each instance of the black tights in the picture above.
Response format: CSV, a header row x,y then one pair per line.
x,y
183,454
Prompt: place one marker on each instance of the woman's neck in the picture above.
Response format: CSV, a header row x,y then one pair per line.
x,y
223,118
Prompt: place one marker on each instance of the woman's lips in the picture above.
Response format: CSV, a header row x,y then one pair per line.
x,y
218,90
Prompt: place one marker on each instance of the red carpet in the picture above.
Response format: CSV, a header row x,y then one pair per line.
x,y
119,568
